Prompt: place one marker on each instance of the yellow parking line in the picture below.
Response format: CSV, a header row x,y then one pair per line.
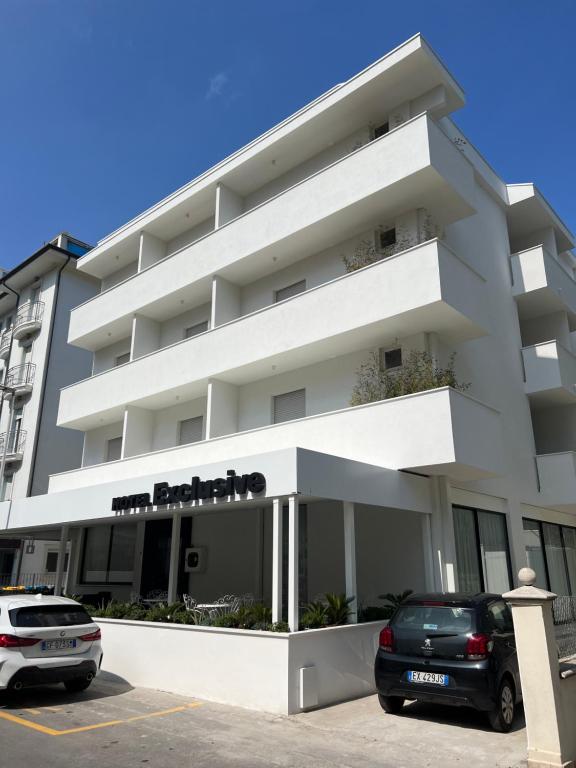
x,y
53,732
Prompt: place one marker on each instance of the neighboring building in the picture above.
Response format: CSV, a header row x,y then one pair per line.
x,y
35,302
229,335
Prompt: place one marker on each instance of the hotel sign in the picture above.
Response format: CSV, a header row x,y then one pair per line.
x,y
195,490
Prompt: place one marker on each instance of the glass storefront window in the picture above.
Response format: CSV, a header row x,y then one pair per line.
x,y
482,553
109,554
535,552
551,552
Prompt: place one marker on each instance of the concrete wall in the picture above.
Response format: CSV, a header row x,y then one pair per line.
x,y
265,673
105,358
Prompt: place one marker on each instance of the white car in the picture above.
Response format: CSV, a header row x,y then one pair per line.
x,y
47,640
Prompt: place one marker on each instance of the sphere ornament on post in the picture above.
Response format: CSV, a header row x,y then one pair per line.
x,y
526,577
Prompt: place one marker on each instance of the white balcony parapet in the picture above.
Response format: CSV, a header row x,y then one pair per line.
x,y
427,287
28,319
541,283
427,432
550,371
557,476
415,165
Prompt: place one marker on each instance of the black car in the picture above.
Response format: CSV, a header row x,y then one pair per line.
x,y
453,649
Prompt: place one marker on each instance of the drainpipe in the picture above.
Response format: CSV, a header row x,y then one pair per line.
x,y
5,284
44,378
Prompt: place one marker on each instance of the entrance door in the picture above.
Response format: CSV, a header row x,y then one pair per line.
x,y
156,556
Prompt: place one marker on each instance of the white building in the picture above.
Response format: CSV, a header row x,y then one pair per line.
x,y
36,297
228,337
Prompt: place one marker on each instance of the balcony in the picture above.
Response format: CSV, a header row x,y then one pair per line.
x,y
5,339
427,287
557,474
550,371
14,448
541,284
28,319
20,379
427,432
413,166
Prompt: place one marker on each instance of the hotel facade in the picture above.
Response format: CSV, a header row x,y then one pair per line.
x,y
221,452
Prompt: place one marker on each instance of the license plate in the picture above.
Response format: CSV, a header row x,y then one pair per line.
x,y
57,645
432,678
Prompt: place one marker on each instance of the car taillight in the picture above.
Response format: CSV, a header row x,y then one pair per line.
x,y
478,647
92,636
11,641
386,640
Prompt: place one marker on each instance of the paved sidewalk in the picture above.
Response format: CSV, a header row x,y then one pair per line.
x,y
113,725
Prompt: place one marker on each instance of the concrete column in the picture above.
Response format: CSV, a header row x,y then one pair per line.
x,y
145,336
293,560
138,431
428,552
548,699
350,559
174,558
225,301
277,560
229,205
222,409
61,560
151,250
443,536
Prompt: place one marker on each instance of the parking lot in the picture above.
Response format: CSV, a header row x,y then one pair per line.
x,y
113,724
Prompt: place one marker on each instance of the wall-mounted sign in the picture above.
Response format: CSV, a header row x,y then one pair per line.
x,y
195,490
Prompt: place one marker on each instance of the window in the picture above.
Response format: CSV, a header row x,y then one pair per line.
x,y
388,237
500,617
123,358
551,553
52,562
190,430
391,358
108,556
194,330
114,449
6,486
381,130
482,552
49,616
290,290
290,406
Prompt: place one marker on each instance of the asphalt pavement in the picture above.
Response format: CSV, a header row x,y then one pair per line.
x,y
112,725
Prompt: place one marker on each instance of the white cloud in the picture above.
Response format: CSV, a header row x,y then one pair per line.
x,y
217,85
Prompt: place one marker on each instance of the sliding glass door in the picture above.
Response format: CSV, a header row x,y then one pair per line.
x,y
482,552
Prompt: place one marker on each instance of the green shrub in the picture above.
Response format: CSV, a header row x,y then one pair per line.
x,y
419,372
337,609
314,616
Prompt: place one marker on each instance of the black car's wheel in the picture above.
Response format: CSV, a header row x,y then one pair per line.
x,y
391,704
502,716
77,684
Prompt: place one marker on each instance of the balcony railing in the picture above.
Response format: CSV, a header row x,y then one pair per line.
x,y
5,339
20,378
28,319
13,445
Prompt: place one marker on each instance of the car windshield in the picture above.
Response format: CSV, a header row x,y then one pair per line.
x,y
49,616
434,618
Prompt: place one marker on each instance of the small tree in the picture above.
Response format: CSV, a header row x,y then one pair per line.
x,y
418,373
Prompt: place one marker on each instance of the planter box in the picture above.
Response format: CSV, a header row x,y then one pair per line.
x,y
267,671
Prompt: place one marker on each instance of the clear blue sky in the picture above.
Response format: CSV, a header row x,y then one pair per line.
x,y
108,105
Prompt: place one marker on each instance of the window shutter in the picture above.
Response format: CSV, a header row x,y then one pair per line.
x,y
290,406
290,290
191,430
194,330
114,451
122,359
